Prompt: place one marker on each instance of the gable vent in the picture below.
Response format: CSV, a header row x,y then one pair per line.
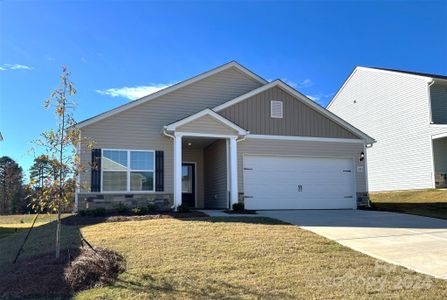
x,y
276,109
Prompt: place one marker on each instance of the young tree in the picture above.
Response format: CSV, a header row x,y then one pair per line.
x,y
60,145
11,180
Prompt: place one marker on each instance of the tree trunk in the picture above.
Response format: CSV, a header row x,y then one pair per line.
x,y
58,233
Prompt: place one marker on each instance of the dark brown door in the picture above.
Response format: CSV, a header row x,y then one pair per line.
x,y
189,184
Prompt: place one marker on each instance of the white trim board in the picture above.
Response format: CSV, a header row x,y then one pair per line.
x,y
305,138
206,112
232,64
300,97
439,136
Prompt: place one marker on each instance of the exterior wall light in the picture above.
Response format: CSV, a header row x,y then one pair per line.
x,y
362,156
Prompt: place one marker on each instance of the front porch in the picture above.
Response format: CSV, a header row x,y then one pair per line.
x,y
205,172
205,160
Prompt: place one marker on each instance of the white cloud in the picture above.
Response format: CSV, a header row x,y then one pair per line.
x,y
302,84
321,98
133,93
15,67
314,98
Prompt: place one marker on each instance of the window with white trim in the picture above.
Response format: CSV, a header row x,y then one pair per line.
x,y
276,109
127,170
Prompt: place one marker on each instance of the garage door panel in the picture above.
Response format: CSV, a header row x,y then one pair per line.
x,y
273,183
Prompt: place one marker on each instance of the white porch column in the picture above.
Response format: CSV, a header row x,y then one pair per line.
x,y
233,172
177,170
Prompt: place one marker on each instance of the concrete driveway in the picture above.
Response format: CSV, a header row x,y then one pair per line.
x,y
415,242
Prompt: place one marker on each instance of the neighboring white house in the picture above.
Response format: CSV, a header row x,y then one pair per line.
x,y
406,112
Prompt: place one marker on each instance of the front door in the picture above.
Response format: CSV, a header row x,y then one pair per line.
x,y
189,184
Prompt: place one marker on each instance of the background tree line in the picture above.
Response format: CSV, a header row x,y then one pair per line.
x,y
15,195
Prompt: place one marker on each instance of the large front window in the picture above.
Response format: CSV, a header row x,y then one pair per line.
x,y
127,170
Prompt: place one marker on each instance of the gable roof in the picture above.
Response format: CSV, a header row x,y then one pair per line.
x,y
428,77
300,97
206,112
232,64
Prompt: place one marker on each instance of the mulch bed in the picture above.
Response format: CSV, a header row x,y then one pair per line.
x,y
243,212
37,276
78,220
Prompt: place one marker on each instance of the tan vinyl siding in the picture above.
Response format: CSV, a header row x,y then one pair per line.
x,y
253,114
140,127
301,148
438,95
206,124
196,156
215,157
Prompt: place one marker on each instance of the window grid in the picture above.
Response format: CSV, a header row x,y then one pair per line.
x,y
129,170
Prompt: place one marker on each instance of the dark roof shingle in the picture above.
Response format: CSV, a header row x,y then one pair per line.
x,y
414,73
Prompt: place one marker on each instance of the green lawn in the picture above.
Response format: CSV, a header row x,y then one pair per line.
x,y
430,203
223,257
14,223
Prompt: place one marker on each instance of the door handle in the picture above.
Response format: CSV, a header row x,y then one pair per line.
x,y
300,188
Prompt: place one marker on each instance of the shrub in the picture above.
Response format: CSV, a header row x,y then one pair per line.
x,y
99,212
183,208
238,206
152,208
140,210
96,212
94,268
122,208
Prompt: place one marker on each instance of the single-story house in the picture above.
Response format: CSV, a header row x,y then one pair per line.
x,y
222,137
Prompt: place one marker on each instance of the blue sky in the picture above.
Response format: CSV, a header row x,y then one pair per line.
x,y
119,50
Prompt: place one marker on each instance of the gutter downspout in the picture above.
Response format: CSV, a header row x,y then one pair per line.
x,y
164,131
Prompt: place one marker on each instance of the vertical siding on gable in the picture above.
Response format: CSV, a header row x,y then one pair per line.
x,y
140,127
438,95
207,124
215,157
393,109
253,114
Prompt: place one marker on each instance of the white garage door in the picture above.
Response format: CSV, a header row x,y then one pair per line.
x,y
298,183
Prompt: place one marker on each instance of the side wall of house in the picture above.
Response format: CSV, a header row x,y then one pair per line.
x,y
140,127
299,119
216,188
275,147
394,109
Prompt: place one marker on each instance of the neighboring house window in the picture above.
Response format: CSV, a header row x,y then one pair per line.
x,y
127,170
276,109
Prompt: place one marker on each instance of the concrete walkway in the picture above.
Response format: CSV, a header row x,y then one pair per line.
x,y
417,243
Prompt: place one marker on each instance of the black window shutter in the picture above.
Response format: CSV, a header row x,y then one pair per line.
x,y
159,171
95,185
